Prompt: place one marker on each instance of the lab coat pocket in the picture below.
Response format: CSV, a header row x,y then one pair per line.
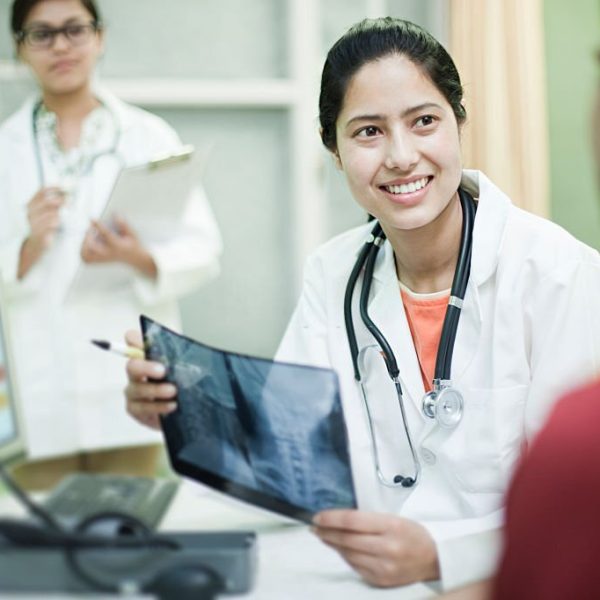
x,y
481,452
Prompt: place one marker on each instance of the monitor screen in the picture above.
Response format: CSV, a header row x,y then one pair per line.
x,y
11,442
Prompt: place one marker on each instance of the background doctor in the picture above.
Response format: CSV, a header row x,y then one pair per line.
x,y
391,114
59,156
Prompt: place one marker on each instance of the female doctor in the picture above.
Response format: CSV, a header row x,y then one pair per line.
x,y
59,157
515,295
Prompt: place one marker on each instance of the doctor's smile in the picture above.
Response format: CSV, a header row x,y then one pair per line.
x,y
408,191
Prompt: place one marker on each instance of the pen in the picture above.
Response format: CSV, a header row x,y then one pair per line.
x,y
122,349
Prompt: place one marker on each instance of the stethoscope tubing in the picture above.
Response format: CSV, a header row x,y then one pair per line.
x,y
390,358
443,363
353,278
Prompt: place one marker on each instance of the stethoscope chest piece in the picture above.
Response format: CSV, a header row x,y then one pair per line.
x,y
445,405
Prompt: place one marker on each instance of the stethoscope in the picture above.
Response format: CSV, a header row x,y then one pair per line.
x,y
444,402
111,150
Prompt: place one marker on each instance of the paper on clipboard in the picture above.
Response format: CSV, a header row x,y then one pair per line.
x,y
152,199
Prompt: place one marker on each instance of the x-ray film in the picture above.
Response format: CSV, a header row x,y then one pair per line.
x,y
268,433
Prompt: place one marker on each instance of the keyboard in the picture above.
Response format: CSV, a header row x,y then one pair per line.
x,y
81,495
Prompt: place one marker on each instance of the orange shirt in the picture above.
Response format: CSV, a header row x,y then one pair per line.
x,y
425,315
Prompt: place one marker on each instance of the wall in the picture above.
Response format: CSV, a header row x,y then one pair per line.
x,y
572,40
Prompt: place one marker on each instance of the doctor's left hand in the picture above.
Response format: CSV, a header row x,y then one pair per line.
x,y
386,550
119,244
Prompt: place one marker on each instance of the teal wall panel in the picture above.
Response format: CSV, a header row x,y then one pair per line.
x,y
572,40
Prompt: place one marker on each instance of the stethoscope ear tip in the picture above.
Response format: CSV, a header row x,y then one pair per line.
x,y
404,481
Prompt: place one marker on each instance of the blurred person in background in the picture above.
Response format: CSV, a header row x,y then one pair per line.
x,y
59,157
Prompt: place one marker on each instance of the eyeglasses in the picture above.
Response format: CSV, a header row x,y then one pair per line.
x,y
43,38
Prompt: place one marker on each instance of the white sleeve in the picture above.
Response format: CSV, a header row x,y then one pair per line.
x,y
565,336
468,549
10,251
14,230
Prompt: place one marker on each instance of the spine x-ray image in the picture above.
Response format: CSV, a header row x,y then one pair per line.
x,y
268,433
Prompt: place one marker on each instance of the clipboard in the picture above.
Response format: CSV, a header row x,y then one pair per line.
x,y
152,197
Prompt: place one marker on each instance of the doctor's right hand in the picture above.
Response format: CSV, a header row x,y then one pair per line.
x,y
147,399
43,215
44,221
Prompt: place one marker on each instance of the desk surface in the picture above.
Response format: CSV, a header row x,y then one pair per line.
x,y
292,565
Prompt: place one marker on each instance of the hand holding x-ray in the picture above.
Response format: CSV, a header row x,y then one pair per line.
x,y
147,396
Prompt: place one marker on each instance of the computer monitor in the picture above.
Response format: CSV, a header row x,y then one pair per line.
x,y
12,444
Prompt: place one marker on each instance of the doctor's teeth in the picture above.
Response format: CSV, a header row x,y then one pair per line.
x,y
407,188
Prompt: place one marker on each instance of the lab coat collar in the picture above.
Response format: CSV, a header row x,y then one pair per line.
x,y
490,224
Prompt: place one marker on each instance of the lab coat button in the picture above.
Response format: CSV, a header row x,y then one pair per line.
x,y
428,456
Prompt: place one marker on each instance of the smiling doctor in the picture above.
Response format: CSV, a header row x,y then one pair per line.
x,y
453,320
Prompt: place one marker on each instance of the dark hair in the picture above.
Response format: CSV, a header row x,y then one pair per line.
x,y
370,40
21,8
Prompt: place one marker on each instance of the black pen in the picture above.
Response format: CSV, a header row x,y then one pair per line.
x,y
122,349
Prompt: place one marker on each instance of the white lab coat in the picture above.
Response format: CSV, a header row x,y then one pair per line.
x,y
72,393
529,329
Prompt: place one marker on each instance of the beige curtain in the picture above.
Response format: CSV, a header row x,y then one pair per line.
x,y
498,47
